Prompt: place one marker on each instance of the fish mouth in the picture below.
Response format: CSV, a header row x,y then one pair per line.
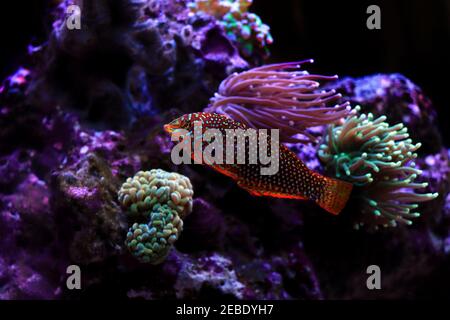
x,y
169,128
173,126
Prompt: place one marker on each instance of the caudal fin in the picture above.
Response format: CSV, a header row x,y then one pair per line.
x,y
335,195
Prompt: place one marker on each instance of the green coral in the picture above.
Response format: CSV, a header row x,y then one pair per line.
x,y
152,242
142,192
379,160
161,198
247,29
242,27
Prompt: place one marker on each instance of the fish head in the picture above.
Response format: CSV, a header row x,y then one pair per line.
x,y
185,122
179,123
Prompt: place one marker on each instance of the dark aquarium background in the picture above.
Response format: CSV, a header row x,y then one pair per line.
x,y
82,111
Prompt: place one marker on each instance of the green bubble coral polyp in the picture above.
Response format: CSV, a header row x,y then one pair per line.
x,y
152,242
379,160
148,188
162,199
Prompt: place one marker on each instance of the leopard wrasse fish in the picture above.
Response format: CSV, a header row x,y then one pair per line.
x,y
293,180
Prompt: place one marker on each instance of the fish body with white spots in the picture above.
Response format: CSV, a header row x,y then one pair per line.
x,y
292,180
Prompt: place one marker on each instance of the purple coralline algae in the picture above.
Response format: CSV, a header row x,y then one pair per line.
x,y
211,271
86,112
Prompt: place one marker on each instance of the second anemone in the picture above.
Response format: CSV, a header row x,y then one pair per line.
x,y
379,160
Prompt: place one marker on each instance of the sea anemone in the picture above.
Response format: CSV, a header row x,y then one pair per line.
x,y
142,192
279,96
152,242
379,160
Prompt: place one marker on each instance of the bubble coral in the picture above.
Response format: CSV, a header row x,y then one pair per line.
x,y
279,96
161,198
379,160
152,242
242,27
147,188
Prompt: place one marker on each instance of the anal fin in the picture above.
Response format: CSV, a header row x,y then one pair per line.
x,y
267,193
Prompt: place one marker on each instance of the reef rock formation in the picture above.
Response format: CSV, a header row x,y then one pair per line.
x,y
131,59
